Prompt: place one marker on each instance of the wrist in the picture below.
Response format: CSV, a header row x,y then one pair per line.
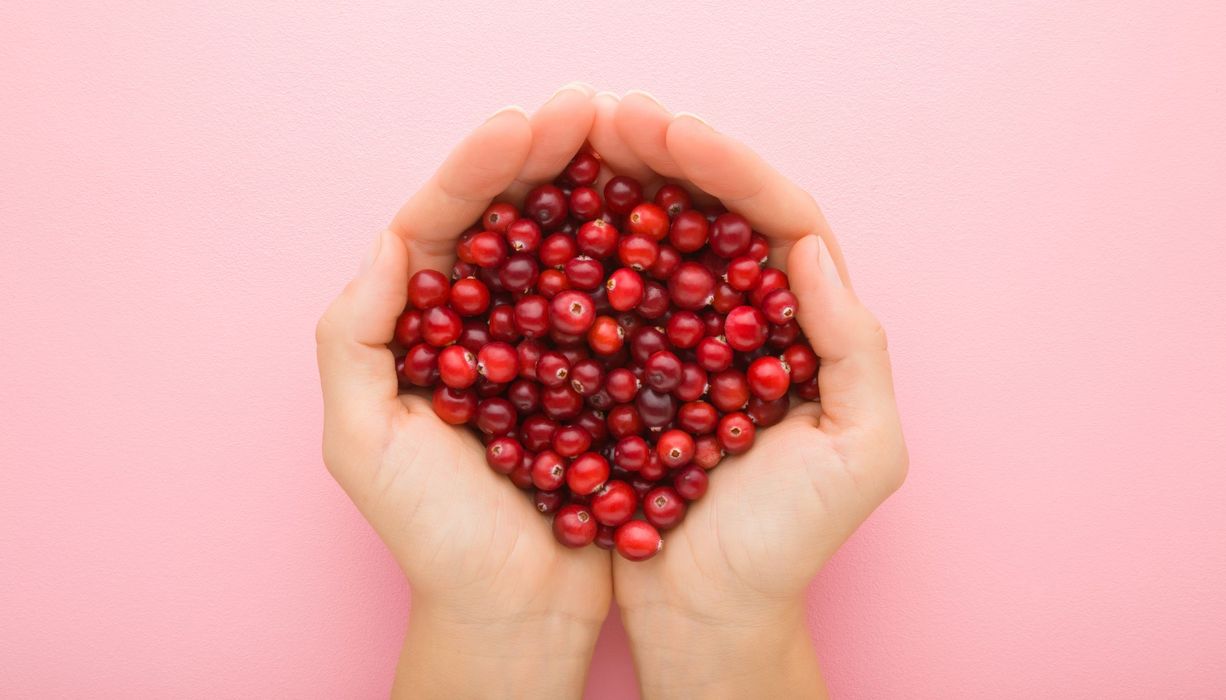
x,y
765,651
453,653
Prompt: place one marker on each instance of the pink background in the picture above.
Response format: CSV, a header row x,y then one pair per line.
x,y
1030,195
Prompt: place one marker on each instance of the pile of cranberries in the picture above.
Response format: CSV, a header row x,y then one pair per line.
x,y
610,350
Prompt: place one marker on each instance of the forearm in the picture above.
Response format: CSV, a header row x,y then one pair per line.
x,y
447,656
766,654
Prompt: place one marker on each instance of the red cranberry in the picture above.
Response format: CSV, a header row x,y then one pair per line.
x,y
524,236
504,454
735,433
408,328
457,367
587,473
583,169
548,471
532,315
572,312
779,306
605,337
655,301
624,420
537,433
585,203
714,354
764,414
469,297
556,249
645,342
730,235
498,216
597,239
495,416
546,204
769,378
574,526
637,251
673,198
684,329
743,273
622,194
584,273
745,328
726,298
809,390
689,231
648,220
692,286
604,537
521,476
729,390
662,371
428,288
552,369
708,451
801,362
498,362
551,282
667,262
637,540
548,501
421,365
783,335
524,395
561,402
614,503
697,418
622,385
502,323
488,249
675,448
664,507
691,482
519,273
440,326
454,406
625,289
693,383
586,377
571,441
655,409
631,453
770,280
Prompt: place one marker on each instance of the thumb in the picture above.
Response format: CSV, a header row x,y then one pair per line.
x,y
356,368
854,379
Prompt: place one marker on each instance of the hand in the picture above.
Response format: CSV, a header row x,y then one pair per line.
x,y
719,612
495,598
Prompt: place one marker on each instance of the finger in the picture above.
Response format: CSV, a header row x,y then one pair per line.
x,y
605,140
642,125
485,163
726,168
356,369
854,378
559,129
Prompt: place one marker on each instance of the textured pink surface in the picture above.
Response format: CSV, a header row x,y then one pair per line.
x,y
1030,196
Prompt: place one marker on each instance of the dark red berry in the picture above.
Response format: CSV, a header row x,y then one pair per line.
x,y
622,194
428,288
637,540
574,526
547,205
614,503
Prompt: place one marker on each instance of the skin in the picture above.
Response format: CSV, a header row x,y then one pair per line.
x,y
499,608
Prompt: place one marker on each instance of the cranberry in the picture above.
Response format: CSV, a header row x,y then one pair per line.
x,y
622,194
529,352
548,501
552,369
440,326
604,537
584,273
488,249
495,416
548,471
767,413
521,476
614,503
502,323
571,441
729,390
801,361
769,378
547,204
574,526
551,282
692,286
689,231
783,335
675,448
532,315
504,454
561,402
745,328
655,301
454,406
519,273
524,395
662,371
730,235
693,383
673,198
779,306
708,451
583,169
735,433
714,354
624,419
408,328
556,249
420,366
645,342
622,385
726,298
648,220
668,259
596,238
586,377
637,251
572,312
428,288
469,297
631,453
664,507
593,421
655,409
524,236
743,273
637,540
498,362
691,482
457,367
697,418
809,390
605,337
588,472
770,280
625,289
537,433
498,216
585,203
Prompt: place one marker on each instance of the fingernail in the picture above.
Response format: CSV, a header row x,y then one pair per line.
x,y
373,254
696,118
826,263
577,86
508,108
649,96
605,93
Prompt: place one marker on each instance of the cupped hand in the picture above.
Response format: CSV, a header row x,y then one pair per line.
x,y
486,574
730,580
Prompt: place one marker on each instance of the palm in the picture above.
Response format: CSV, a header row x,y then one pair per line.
x,y
457,528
